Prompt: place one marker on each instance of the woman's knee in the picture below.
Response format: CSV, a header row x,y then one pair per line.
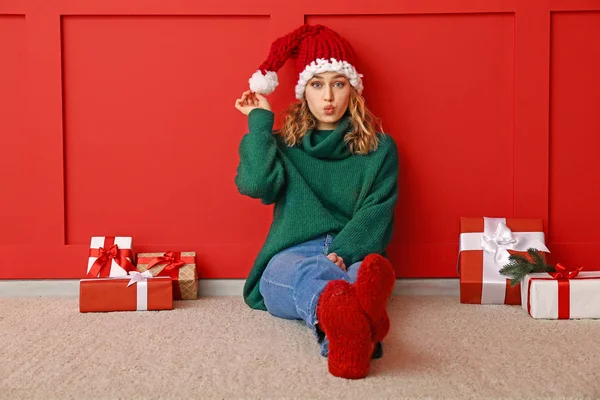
x,y
318,268
280,268
277,289
352,271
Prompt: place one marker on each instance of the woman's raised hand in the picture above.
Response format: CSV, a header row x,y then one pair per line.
x,y
249,101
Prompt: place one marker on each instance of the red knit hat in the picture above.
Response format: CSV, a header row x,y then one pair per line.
x,y
316,49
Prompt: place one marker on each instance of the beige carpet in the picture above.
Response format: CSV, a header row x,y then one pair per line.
x,y
218,348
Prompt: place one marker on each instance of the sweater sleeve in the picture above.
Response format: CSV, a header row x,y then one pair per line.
x,y
370,229
260,174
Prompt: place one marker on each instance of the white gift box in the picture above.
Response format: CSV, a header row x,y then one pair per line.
x,y
545,297
106,242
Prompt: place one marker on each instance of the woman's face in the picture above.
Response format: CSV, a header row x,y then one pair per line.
x,y
327,95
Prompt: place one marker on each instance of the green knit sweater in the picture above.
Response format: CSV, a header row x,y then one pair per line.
x,y
318,187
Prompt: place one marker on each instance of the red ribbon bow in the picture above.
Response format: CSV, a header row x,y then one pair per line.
x,y
102,265
110,253
563,272
171,258
173,261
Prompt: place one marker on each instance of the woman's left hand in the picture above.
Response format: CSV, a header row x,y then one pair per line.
x,y
337,260
249,101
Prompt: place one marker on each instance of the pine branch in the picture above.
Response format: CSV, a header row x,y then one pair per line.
x,y
516,271
537,259
520,258
512,268
520,265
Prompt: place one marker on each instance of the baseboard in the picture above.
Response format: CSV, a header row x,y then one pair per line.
x,y
214,287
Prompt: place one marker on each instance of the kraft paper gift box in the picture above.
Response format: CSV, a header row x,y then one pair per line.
x,y
180,266
128,293
485,245
110,256
562,295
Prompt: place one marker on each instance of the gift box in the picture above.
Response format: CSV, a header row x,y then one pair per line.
x,y
125,294
180,266
562,296
485,245
110,256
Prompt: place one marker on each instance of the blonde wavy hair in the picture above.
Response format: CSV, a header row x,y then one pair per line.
x,y
361,139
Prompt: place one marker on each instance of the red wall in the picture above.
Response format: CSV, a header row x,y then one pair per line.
x,y
117,118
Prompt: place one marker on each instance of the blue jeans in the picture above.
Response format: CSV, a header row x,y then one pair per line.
x,y
294,280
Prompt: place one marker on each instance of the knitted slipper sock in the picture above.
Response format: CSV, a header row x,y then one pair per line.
x,y
348,330
373,288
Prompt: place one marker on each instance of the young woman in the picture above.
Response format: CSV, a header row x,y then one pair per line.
x,y
334,182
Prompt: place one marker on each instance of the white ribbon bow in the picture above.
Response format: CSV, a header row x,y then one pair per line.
x,y
503,240
139,277
496,245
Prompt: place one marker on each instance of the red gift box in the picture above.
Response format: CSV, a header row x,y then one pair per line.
x,y
485,244
119,294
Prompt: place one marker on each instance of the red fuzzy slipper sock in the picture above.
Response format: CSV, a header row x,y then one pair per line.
x,y
348,330
373,288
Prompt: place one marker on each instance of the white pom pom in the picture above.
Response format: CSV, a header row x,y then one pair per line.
x,y
263,84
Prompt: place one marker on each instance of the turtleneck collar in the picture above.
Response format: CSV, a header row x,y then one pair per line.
x,y
327,143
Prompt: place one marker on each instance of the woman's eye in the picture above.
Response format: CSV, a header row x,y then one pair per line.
x,y
339,84
315,84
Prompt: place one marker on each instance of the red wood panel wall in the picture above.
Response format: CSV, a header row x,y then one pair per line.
x,y
117,118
